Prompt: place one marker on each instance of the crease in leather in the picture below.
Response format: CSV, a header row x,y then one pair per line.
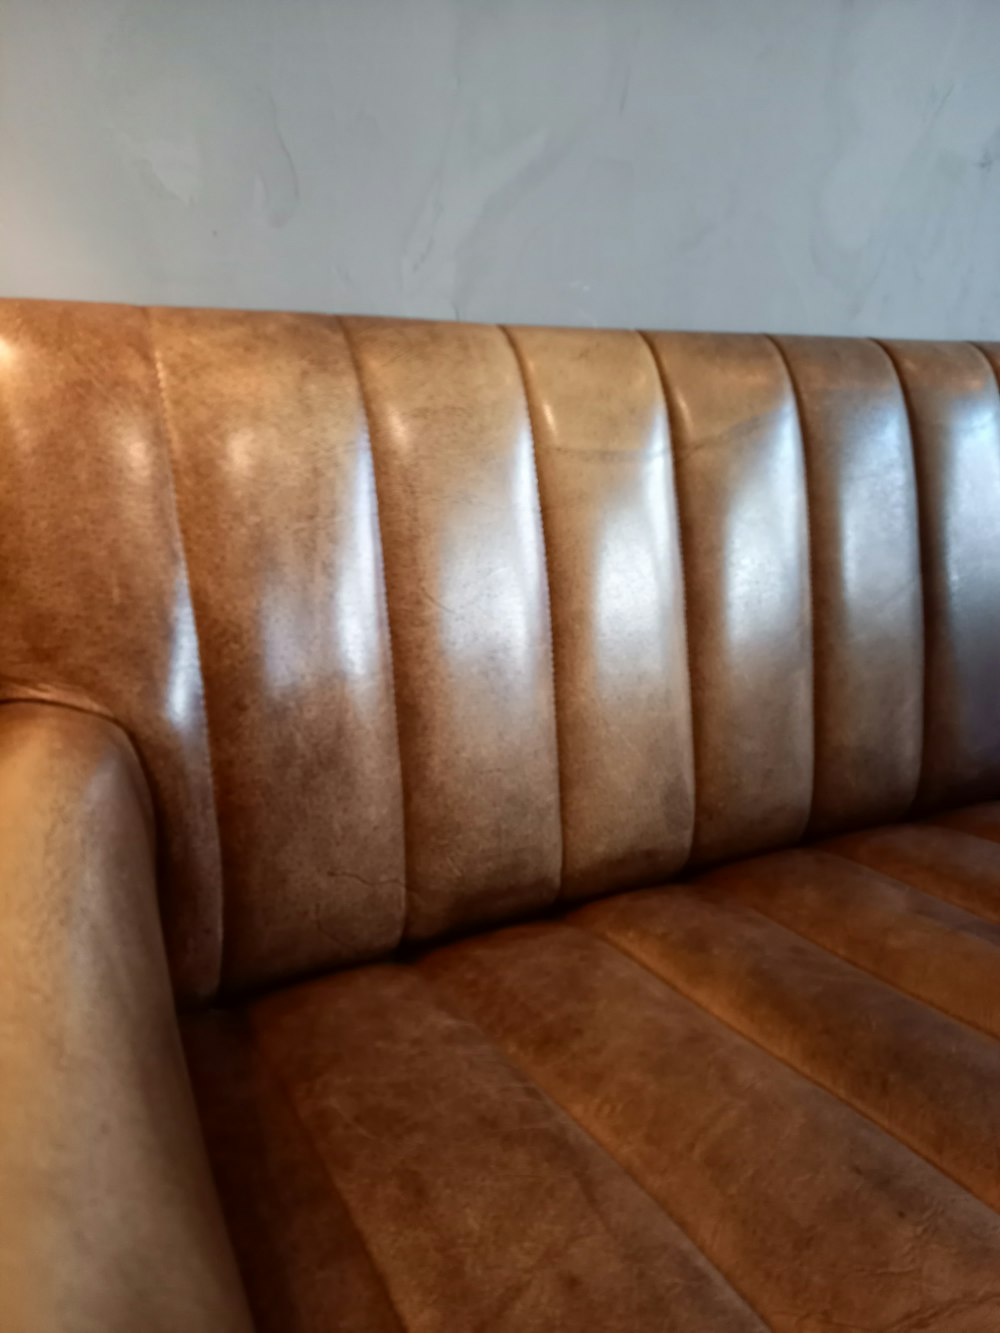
x,y
553,660
938,897
952,399
869,971
446,1001
343,325
924,559
558,1130
288,1097
993,365
809,485
946,819
168,446
882,1128
963,832
670,411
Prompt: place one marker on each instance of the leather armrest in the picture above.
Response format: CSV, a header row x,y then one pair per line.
x,y
108,1216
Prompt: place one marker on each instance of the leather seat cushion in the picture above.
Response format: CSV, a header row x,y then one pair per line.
x,y
770,1097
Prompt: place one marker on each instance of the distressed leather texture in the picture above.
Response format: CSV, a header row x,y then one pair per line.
x,y
109,1216
575,758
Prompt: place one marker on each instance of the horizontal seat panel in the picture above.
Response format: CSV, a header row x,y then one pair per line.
x,y
766,1098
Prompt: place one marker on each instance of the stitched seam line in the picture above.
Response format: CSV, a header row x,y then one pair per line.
x,y
924,557
941,822
557,720
758,1044
868,971
937,897
287,1095
448,1003
670,412
809,487
876,976
170,444
395,670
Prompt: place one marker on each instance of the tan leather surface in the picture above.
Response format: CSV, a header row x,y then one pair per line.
x,y
609,514
949,863
418,627
535,1128
955,421
919,1074
921,944
481,1204
277,502
305,1265
468,607
742,504
109,1222
982,820
94,600
868,633
819,1217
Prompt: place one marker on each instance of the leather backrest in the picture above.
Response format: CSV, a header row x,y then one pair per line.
x,y
421,627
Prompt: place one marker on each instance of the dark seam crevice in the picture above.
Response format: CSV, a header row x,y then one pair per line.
x,y
937,897
729,897
670,414
809,485
448,1003
923,523
394,668
759,1045
170,444
278,1082
553,657
867,971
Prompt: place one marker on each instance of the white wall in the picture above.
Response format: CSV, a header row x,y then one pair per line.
x,y
824,165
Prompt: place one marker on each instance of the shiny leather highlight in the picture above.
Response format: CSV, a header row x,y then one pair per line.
x,y
609,514
469,615
335,639
95,605
955,420
868,631
276,494
742,502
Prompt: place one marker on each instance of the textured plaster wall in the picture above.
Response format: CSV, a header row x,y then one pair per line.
x,y
823,165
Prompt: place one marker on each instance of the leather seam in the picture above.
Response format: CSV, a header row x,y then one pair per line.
x,y
280,1084
993,370
395,669
809,489
447,1003
937,821
170,444
557,725
759,1045
924,561
841,957
670,414
937,897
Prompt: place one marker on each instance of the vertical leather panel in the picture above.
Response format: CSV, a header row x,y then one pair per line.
x,y
605,475
868,636
955,420
468,605
94,600
277,501
742,504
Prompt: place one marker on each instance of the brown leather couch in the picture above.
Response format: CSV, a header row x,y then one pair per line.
x,y
539,788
